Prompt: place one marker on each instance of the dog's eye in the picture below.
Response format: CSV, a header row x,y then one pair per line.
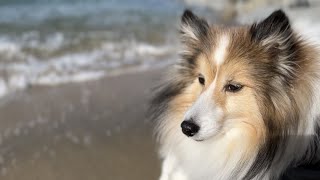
x,y
201,79
233,88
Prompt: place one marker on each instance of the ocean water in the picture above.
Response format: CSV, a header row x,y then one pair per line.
x,y
50,42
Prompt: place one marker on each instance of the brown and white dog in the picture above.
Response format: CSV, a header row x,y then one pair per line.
x,y
243,102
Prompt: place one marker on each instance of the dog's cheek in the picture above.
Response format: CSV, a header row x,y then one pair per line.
x,y
244,106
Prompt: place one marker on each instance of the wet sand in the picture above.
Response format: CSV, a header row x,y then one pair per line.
x,y
86,131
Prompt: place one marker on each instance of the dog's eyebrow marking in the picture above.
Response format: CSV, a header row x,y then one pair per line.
x,y
221,49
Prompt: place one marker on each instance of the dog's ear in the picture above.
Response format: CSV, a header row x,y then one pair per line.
x,y
193,28
276,36
274,31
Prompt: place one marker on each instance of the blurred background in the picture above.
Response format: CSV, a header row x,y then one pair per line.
x,y
76,77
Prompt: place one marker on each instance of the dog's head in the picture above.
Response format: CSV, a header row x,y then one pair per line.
x,y
240,78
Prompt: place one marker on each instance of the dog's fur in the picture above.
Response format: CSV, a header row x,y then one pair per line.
x,y
270,124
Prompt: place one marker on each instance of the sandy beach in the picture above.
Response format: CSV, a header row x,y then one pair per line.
x,y
84,131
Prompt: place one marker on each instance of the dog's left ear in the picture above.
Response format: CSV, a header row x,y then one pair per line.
x,y
274,31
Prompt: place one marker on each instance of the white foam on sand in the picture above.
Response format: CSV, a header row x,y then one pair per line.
x,y
20,68
53,79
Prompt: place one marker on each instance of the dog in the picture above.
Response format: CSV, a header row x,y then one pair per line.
x,y
242,102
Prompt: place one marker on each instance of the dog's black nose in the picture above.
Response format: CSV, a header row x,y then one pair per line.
x,y
189,128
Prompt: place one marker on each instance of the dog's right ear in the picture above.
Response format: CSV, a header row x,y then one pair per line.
x,y
193,29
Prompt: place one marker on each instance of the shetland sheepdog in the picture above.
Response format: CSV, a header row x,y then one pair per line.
x,y
243,102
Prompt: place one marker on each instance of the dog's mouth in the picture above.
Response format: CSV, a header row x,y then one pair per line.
x,y
201,137
199,140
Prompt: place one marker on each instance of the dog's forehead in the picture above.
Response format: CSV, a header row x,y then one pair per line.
x,y
231,45
230,54
220,50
